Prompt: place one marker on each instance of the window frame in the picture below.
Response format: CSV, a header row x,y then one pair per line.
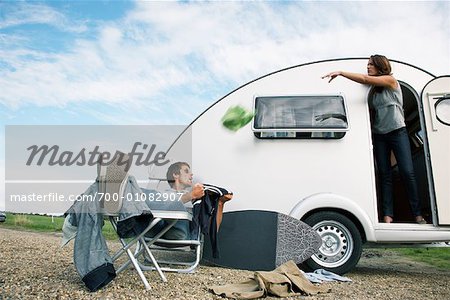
x,y
259,131
440,101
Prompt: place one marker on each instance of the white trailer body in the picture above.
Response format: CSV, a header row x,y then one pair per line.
x,y
321,170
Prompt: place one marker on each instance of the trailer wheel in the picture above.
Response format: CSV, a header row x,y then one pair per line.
x,y
341,242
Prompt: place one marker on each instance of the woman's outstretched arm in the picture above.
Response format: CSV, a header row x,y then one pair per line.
x,y
382,80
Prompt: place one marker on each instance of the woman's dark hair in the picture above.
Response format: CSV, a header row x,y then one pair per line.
x,y
382,64
174,169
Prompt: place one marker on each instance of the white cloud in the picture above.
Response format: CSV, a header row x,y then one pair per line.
x,y
24,13
163,55
241,41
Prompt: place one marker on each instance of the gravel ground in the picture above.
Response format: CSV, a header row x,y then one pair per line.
x,y
32,265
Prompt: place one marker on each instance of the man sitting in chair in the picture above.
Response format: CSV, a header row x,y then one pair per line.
x,y
180,179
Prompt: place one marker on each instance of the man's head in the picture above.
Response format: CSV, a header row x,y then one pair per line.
x,y
179,175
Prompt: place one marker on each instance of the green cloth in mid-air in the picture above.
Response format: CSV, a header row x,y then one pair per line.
x,y
236,117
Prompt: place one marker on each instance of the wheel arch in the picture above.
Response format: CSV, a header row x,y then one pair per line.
x,y
336,203
344,212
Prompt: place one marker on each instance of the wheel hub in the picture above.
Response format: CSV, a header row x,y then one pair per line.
x,y
336,246
329,242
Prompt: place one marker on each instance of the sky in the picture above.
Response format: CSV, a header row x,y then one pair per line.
x,y
162,63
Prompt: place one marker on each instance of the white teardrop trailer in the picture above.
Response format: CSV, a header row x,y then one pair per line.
x,y
308,154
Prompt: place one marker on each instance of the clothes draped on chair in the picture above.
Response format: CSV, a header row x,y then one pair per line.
x,y
205,215
91,255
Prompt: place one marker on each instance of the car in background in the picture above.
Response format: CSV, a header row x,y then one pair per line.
x,y
2,217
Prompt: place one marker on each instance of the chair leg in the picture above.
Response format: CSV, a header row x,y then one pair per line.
x,y
132,257
152,258
138,269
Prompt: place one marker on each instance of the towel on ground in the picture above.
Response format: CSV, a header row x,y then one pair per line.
x,y
320,275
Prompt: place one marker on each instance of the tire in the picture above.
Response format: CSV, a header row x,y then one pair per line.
x,y
342,243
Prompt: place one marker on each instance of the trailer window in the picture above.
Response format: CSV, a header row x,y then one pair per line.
x,y
317,116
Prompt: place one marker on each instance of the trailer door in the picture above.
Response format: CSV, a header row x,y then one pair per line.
x,y
436,105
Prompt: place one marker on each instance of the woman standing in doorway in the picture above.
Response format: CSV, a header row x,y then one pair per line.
x,y
389,131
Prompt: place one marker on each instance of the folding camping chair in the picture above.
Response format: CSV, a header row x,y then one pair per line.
x,y
192,248
112,180
171,253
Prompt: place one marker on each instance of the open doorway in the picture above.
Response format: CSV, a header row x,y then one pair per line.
x,y
416,133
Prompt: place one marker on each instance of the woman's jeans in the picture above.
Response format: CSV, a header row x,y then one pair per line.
x,y
398,142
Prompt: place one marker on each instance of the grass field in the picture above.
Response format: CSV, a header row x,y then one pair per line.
x,y
438,257
45,224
